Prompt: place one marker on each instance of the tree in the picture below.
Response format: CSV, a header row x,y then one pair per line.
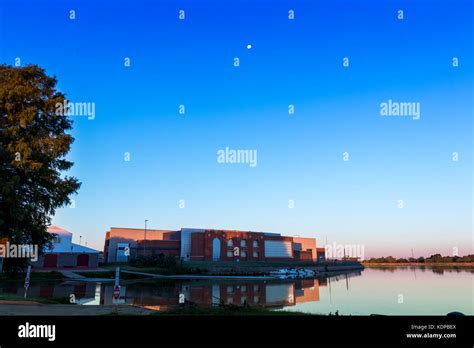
x,y
33,145
435,258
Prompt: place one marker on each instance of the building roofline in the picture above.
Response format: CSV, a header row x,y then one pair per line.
x,y
231,230
140,229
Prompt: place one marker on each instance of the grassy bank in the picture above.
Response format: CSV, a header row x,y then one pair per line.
x,y
110,275
247,264
225,311
18,298
229,268
153,270
263,268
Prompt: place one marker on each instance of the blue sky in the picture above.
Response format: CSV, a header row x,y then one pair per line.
x,y
300,156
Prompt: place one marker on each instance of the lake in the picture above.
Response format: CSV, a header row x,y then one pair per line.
x,y
389,290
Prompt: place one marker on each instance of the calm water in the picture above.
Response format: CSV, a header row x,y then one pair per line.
x,y
401,290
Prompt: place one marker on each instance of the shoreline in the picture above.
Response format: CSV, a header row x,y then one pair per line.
x,y
418,264
323,271
106,275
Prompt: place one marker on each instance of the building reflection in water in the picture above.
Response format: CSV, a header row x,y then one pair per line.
x,y
270,294
160,296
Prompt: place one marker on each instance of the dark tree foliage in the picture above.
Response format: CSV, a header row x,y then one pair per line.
x,y
33,145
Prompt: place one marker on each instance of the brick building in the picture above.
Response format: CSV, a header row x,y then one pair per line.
x,y
191,244
122,244
321,254
224,245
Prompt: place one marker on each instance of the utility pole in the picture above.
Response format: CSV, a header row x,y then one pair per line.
x,y
144,241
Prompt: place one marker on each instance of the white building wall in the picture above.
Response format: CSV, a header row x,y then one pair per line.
x,y
63,241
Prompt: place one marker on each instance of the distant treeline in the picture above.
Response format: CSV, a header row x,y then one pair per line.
x,y
436,258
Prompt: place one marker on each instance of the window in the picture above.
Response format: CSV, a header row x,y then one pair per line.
x,y
255,254
230,243
243,254
229,254
255,244
243,299
230,289
255,299
243,288
243,243
255,288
